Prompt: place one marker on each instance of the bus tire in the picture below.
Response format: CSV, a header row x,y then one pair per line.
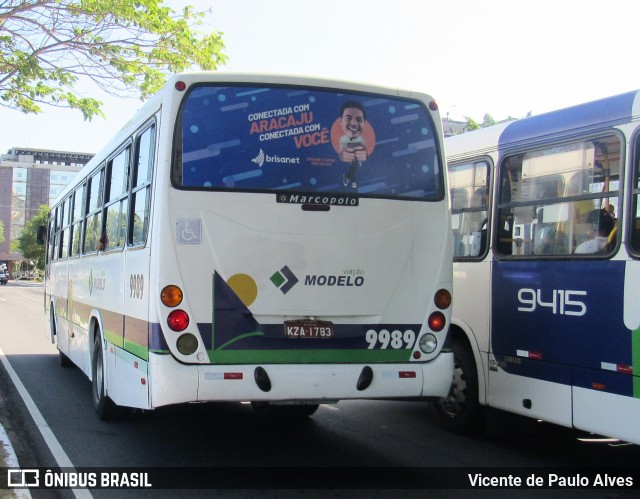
x,y
286,411
460,412
103,405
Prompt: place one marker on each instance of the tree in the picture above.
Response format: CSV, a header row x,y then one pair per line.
x,y
488,120
1,231
471,124
125,46
28,243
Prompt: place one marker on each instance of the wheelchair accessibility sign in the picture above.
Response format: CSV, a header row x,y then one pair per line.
x,y
190,231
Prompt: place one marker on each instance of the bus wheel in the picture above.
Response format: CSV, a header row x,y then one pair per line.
x,y
460,412
291,411
103,405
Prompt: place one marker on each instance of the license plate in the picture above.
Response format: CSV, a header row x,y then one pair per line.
x,y
308,329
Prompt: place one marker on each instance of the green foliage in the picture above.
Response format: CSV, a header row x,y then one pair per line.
x,y
1,231
125,46
28,243
471,124
488,120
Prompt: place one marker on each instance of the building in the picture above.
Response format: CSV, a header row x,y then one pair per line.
x,y
30,178
452,127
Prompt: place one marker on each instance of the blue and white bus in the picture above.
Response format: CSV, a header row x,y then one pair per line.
x,y
546,223
263,238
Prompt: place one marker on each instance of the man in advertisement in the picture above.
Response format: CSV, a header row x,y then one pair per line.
x,y
353,148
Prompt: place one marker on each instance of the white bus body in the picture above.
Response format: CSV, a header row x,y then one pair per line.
x,y
252,262
546,224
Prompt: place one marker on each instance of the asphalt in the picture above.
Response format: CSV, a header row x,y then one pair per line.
x,y
8,456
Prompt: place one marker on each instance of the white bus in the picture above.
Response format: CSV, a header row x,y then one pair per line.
x,y
546,222
279,240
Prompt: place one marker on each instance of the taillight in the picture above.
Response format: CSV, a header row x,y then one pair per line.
x,y
178,320
187,344
442,299
437,321
171,296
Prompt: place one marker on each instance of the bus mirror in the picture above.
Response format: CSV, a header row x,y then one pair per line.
x,y
42,234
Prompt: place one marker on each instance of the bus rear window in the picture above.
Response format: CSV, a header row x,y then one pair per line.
x,y
266,139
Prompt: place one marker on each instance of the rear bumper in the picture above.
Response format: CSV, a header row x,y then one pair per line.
x,y
172,382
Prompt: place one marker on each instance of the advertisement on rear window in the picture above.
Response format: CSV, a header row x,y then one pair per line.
x,y
306,141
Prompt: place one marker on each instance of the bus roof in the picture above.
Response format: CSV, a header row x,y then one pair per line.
x,y
146,111
477,142
595,115
563,123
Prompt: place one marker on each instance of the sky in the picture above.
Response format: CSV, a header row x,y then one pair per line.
x,y
502,57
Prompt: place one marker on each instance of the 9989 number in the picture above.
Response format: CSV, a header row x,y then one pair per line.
x,y
385,339
136,286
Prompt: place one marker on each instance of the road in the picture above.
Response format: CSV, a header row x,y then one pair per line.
x,y
385,435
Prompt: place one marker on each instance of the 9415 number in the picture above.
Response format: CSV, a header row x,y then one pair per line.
x,y
559,301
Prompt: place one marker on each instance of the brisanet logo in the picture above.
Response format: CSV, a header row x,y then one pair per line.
x,y
263,158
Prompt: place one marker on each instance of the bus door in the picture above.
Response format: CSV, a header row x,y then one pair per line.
x,y
556,304
120,275
469,184
132,362
606,401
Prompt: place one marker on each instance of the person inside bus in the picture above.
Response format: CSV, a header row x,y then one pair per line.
x,y
102,243
602,223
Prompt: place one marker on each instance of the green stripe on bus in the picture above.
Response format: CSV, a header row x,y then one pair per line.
x,y
115,339
307,356
141,351
136,349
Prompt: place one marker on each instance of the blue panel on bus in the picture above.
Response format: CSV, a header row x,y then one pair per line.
x,y
606,381
594,115
564,312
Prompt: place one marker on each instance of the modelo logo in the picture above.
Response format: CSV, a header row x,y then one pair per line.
x,y
333,280
561,301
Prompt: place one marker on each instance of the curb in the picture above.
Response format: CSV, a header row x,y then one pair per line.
x,y
11,461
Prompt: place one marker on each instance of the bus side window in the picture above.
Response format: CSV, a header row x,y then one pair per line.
x,y
549,197
141,175
506,234
116,203
458,202
634,238
53,234
78,217
469,206
93,222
